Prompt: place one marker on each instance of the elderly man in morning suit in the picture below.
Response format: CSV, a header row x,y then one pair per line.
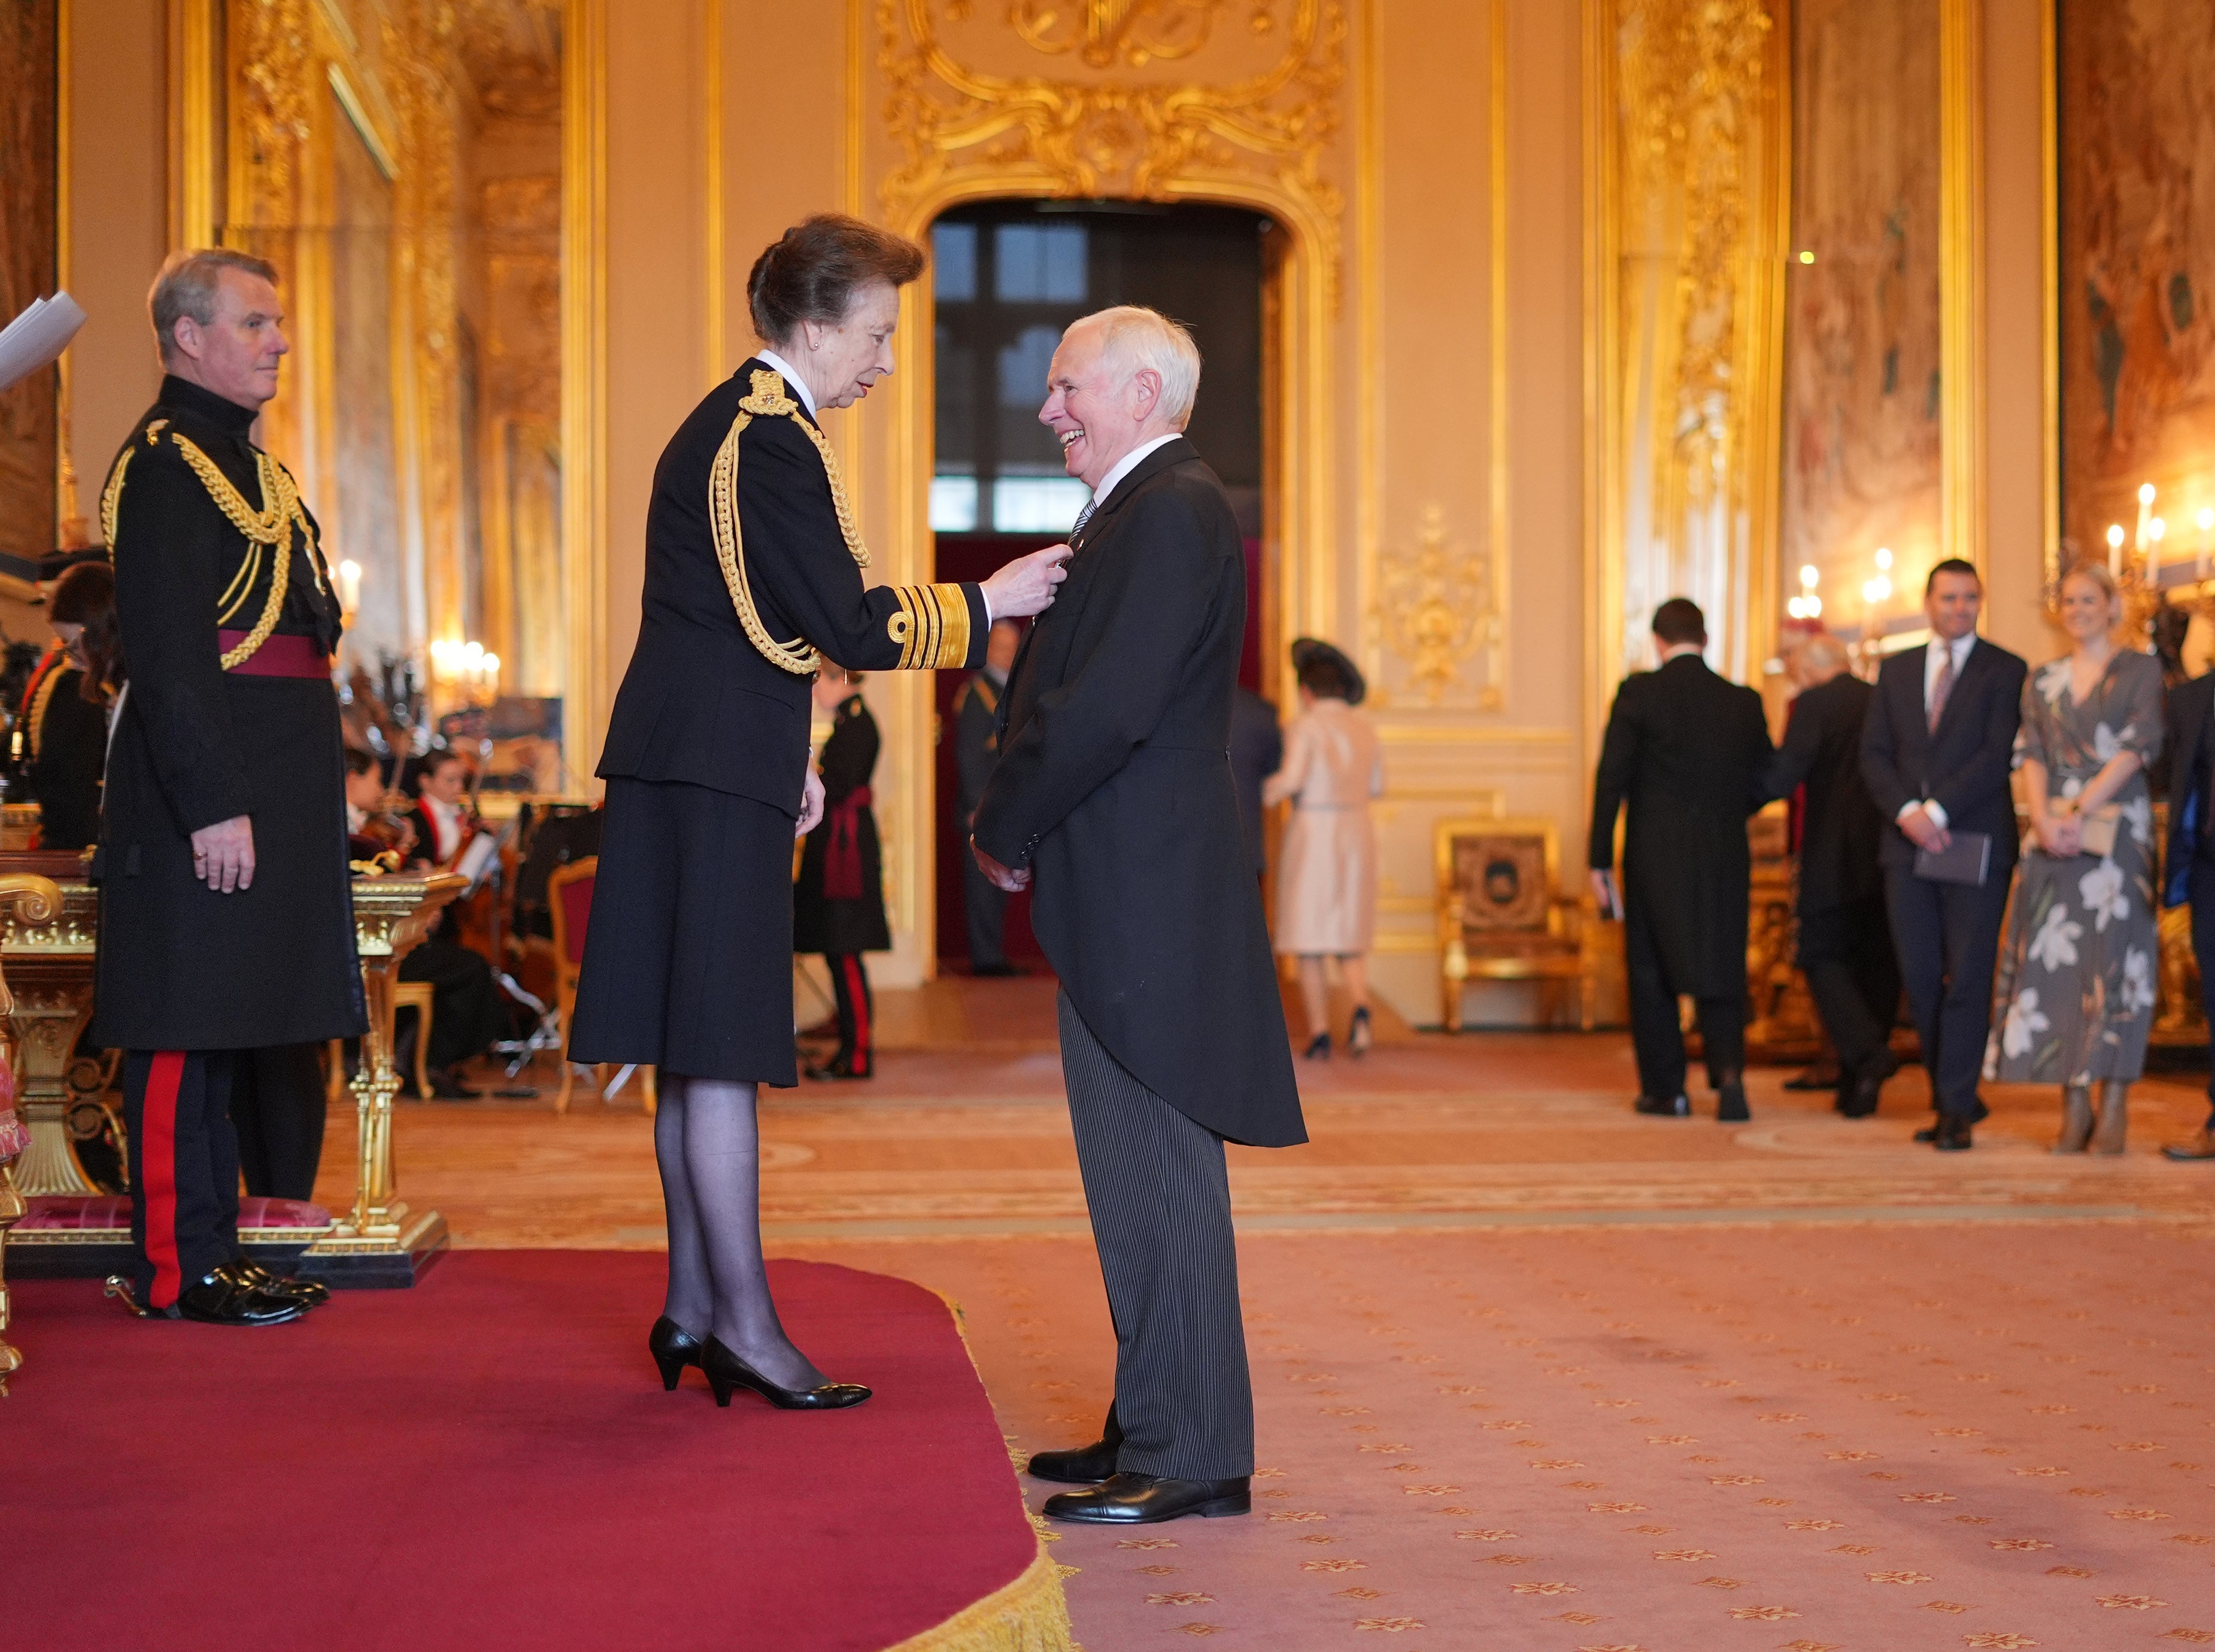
x,y
1113,789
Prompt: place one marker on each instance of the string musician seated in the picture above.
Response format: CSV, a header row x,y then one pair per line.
x,y
467,1013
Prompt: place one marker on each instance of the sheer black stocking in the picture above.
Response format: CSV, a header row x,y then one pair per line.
x,y
710,1159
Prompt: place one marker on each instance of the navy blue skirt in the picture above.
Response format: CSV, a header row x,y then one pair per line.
x,y
688,957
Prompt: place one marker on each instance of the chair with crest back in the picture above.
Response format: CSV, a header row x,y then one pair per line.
x,y
1502,918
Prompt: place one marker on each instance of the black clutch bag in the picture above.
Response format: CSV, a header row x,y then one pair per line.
x,y
1967,860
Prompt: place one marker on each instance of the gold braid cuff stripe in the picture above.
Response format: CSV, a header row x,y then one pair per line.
x,y
932,627
769,401
270,526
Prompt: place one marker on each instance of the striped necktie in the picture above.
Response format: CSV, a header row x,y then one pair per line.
x,y
1082,517
1941,685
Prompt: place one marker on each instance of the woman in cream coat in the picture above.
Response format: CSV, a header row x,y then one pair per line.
x,y
1327,868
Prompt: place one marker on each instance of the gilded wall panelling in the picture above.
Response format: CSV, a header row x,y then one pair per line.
x,y
1438,606
1961,273
28,249
1685,105
584,380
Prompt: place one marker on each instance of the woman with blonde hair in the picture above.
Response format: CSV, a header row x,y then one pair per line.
x,y
2076,989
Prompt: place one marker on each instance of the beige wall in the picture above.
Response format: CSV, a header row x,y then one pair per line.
x,y
118,207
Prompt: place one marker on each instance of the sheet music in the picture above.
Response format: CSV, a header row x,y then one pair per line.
x,y
36,337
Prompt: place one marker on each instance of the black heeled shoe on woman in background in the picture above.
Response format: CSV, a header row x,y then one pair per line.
x,y
673,1347
1359,1036
726,1371
1319,1048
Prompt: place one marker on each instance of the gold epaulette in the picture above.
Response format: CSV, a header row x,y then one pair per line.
x,y
932,627
769,401
268,528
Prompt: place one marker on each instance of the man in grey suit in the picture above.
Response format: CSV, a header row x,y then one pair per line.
x,y
1113,790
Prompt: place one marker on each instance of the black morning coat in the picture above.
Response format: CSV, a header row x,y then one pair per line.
x,y
821,924
1113,786
1965,767
180,966
2188,768
1686,750
1841,831
699,703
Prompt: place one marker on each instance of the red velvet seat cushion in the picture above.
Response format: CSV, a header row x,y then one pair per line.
x,y
71,1212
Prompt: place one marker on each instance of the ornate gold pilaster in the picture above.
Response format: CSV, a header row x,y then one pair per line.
x,y
1686,105
390,916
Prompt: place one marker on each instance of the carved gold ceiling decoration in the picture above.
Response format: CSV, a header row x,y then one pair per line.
x,y
1190,111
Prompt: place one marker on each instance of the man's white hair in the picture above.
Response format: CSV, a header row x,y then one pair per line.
x,y
1134,336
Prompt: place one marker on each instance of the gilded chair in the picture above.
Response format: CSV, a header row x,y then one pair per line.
x,y
35,900
1502,918
569,901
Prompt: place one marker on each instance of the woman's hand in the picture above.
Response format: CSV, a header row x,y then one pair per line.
x,y
810,804
2061,831
1025,585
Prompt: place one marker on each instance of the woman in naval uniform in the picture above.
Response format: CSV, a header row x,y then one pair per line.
x,y
753,580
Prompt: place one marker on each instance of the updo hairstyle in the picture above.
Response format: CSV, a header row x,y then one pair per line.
x,y
1323,677
85,595
811,272
2093,573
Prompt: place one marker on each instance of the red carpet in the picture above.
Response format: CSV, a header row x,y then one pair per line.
x,y
489,1462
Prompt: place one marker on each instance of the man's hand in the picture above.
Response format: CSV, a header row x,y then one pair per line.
x,y
1014,879
810,804
1603,886
222,854
1925,832
1025,587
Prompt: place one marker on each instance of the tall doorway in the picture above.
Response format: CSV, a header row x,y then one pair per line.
x,y
1009,276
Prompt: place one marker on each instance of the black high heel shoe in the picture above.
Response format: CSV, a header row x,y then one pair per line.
x,y
673,1347
1359,1036
1319,1048
726,1371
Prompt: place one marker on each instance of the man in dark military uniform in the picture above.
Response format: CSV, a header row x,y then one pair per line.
x,y
976,748
226,920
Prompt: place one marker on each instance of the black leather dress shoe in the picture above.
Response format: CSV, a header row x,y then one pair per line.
x,y
308,1292
1730,1105
1859,1094
1142,1500
726,1372
1951,1134
1086,1464
1677,1106
673,1347
1824,1077
218,1299
1931,1133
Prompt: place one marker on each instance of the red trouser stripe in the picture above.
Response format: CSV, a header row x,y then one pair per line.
x,y
857,989
157,1163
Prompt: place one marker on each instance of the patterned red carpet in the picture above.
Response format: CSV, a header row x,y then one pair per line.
x,y
1857,1438
488,1461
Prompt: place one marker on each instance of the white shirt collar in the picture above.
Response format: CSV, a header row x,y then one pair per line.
x,y
1960,647
1126,464
792,379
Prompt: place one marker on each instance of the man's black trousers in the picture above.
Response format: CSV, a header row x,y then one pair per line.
x,y
1947,936
1853,975
1656,1034
1155,1184
184,1167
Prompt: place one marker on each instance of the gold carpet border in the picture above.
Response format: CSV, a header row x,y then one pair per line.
x,y
1031,1614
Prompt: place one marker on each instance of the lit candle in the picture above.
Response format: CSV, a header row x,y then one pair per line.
x,y
2145,516
2156,530
491,674
2115,547
2206,520
350,584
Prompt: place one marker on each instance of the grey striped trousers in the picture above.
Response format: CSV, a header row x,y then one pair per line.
x,y
1160,1200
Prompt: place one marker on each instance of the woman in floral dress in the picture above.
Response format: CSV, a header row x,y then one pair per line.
x,y
2076,989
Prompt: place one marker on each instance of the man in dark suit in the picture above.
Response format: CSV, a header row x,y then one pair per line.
x,y
976,748
1113,790
1685,750
1937,748
2188,872
1257,751
1845,945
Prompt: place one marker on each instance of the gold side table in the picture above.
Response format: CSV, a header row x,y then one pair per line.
x,y
380,1241
35,899
49,959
